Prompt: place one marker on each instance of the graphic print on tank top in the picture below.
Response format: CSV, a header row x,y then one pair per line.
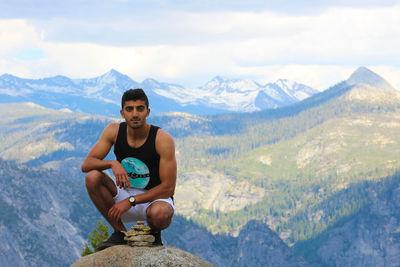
x,y
138,172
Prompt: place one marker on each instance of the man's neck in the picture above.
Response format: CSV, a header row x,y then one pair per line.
x,y
138,133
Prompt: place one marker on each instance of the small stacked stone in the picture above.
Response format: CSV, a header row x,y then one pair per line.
x,y
139,235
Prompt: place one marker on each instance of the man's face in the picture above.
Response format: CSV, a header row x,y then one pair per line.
x,y
135,113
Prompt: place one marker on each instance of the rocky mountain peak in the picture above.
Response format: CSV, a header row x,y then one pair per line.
x,y
111,75
282,81
8,77
366,76
113,72
218,79
111,78
214,83
151,82
368,87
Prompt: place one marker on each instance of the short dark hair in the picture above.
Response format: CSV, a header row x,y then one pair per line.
x,y
134,94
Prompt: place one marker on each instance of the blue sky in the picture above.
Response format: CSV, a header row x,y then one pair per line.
x,y
318,43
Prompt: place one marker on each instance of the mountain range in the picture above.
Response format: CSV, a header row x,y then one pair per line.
x,y
321,174
102,95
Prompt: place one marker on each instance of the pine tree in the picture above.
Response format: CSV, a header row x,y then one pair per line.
x,y
98,235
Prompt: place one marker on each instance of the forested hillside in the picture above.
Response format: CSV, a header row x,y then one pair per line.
x,y
300,160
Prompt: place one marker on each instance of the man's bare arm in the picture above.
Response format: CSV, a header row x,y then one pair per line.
x,y
95,158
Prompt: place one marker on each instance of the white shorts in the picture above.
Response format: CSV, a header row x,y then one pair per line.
x,y
139,211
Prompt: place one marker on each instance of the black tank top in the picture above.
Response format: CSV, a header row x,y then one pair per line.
x,y
142,163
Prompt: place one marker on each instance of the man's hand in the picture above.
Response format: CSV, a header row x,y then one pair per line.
x,y
118,209
121,176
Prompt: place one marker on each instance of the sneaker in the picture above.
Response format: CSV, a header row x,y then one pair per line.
x,y
117,238
157,241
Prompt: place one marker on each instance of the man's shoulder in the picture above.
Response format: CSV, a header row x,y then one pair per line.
x,y
113,126
164,141
163,134
111,131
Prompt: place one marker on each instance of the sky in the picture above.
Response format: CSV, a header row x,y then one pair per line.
x,y
318,43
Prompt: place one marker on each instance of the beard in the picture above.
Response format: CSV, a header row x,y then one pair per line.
x,y
135,124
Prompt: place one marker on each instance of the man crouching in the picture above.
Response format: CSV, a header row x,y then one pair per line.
x,y
145,171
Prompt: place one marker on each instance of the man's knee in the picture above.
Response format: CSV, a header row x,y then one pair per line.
x,y
96,180
93,179
160,214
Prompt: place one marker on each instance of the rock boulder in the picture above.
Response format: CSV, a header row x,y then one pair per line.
x,y
124,256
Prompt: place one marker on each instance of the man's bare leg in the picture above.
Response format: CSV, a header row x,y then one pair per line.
x,y
159,215
101,190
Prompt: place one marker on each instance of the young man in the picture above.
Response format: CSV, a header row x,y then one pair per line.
x,y
145,171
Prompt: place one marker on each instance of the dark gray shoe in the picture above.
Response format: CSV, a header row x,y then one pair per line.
x,y
157,241
117,238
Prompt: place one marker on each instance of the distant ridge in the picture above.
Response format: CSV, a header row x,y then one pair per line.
x,y
231,123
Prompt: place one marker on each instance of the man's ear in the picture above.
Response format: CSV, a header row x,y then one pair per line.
x,y
122,113
148,112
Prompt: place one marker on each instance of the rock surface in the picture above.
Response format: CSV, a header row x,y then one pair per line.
x,y
125,256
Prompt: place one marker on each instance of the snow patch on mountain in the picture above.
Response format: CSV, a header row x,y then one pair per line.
x,y
237,94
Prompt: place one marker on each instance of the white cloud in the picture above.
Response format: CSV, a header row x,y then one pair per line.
x,y
16,34
318,49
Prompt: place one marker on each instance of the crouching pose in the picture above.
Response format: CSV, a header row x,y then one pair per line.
x,y
145,171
